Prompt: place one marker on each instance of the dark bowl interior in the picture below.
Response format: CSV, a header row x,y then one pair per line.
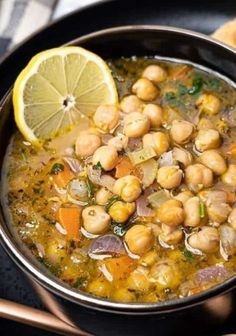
x,y
114,43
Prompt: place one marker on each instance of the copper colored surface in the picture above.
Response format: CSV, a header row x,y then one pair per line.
x,y
36,318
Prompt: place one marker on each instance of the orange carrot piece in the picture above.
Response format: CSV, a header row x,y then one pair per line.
x,y
231,152
124,167
70,219
62,178
120,267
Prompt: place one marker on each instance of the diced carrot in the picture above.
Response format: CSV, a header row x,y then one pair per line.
x,y
62,178
180,72
197,290
120,267
124,167
70,219
231,152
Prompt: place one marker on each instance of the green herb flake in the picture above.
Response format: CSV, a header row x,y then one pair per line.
x,y
113,199
57,168
97,165
201,210
90,188
188,255
196,86
119,230
213,84
170,97
79,283
182,90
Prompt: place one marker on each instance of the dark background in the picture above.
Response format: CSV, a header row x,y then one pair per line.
x,y
204,16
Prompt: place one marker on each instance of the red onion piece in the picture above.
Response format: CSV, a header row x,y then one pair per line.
x,y
141,205
74,164
134,144
105,138
109,245
212,273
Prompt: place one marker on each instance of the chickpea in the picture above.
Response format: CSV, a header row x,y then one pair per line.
x,y
158,140
145,89
182,156
205,240
86,144
136,124
232,218
55,251
181,131
184,196
209,104
229,177
171,236
123,295
155,73
198,177
204,123
171,213
128,188
106,117
120,211
214,161
218,212
192,213
207,139
154,113
131,104
149,258
107,156
140,239
119,142
95,219
100,287
102,196
138,280
169,177
165,275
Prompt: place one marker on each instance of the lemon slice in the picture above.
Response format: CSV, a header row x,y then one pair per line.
x,y
57,89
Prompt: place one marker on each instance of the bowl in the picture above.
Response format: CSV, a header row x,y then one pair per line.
x,y
166,42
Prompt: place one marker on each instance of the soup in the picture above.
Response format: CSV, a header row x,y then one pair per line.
x,y
135,204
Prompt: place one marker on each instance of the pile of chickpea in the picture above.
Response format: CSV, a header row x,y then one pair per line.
x,y
195,208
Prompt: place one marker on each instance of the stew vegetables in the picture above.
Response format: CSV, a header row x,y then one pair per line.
x,y
136,203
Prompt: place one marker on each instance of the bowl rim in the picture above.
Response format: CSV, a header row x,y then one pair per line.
x,y
83,298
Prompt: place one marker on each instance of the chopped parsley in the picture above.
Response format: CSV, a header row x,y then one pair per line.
x,y
90,188
111,201
79,282
57,168
188,255
97,165
201,210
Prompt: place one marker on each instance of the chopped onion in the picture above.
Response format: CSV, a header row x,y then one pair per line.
x,y
142,205
73,163
148,172
41,250
105,246
105,272
60,228
78,191
166,159
142,155
212,273
158,197
94,174
75,201
183,156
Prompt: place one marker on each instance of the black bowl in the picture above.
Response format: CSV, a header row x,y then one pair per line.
x,y
122,41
